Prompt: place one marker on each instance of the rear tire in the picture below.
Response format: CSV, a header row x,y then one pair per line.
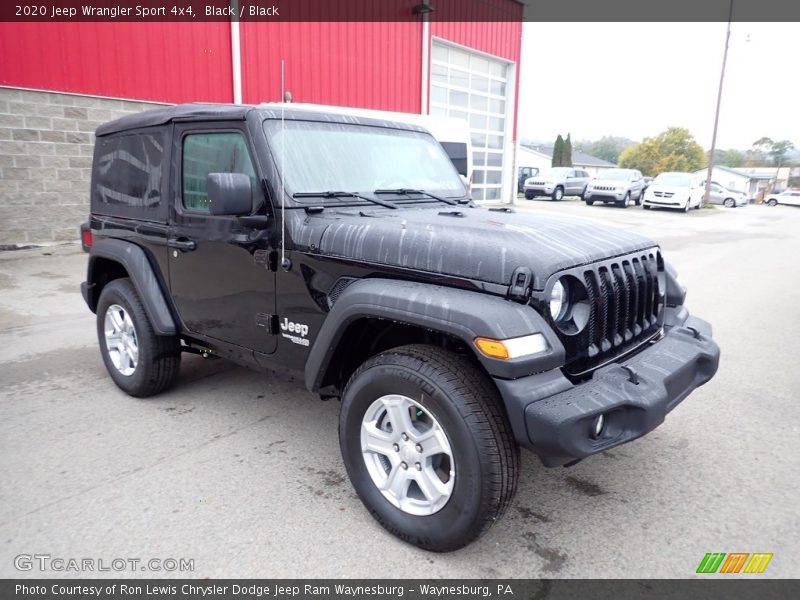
x,y
441,389
558,193
139,361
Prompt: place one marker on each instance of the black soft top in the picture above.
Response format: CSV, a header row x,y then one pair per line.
x,y
234,112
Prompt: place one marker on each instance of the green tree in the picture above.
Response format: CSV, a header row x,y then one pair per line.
x,y
674,149
607,147
779,150
733,159
567,155
558,152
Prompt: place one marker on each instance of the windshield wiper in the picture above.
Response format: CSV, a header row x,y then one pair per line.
x,y
331,194
407,191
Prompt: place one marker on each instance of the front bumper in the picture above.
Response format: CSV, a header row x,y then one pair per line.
x,y
666,202
605,195
554,418
540,190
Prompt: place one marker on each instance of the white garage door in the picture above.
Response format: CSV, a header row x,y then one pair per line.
x,y
473,87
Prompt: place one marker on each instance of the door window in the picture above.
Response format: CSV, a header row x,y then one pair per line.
x,y
217,152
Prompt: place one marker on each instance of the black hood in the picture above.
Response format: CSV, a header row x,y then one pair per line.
x,y
479,244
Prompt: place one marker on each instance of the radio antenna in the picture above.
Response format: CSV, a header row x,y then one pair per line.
x,y
284,264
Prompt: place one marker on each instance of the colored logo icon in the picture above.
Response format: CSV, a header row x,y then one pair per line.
x,y
735,562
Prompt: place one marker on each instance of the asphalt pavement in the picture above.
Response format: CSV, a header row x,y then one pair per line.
x,y
241,472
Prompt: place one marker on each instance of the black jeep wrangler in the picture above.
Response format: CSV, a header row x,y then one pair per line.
x,y
349,249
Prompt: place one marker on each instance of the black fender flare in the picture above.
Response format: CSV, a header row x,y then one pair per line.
x,y
460,313
135,261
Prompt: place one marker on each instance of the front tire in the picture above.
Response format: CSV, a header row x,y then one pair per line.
x,y
730,203
558,193
139,361
528,196
427,446
688,206
625,201
772,202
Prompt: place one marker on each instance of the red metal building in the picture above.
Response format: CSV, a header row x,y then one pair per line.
x,y
465,69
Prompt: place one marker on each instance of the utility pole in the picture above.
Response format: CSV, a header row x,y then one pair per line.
x,y
713,151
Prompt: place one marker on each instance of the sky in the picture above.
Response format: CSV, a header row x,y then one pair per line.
x,y
637,79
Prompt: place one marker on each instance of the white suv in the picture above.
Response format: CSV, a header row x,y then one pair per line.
x,y
675,190
785,197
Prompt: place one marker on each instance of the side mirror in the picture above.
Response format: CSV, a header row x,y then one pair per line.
x,y
229,193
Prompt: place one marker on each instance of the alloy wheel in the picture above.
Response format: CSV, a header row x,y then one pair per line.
x,y
408,455
121,341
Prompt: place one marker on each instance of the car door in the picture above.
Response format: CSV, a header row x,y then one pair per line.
x,y
636,185
220,274
585,179
715,195
572,185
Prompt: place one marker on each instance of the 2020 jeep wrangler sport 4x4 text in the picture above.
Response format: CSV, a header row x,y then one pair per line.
x,y
349,250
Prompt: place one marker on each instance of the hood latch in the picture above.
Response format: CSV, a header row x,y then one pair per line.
x,y
520,288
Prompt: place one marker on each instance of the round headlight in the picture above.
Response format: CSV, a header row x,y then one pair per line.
x,y
559,301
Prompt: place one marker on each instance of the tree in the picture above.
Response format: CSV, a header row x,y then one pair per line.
x,y
558,152
672,150
566,159
779,150
733,159
607,147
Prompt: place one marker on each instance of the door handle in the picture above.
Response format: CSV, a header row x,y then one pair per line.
x,y
182,244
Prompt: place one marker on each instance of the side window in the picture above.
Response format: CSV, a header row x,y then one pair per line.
x,y
205,153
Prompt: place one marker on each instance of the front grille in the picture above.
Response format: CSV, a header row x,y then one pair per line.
x,y
663,194
605,188
625,309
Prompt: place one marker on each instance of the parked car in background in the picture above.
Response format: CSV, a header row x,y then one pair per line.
x,y
791,197
675,190
615,186
523,174
721,195
557,182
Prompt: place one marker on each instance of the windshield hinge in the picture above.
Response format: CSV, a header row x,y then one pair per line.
x,y
520,288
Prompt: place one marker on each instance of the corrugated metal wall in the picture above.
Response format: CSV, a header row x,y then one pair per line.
x,y
366,65
363,64
168,62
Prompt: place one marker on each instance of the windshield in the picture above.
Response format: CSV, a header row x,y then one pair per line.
x,y
615,175
322,156
556,172
678,179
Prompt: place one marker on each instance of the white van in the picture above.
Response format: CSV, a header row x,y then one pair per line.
x,y
451,133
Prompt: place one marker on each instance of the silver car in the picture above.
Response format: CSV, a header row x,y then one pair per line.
x,y
722,195
557,182
616,186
